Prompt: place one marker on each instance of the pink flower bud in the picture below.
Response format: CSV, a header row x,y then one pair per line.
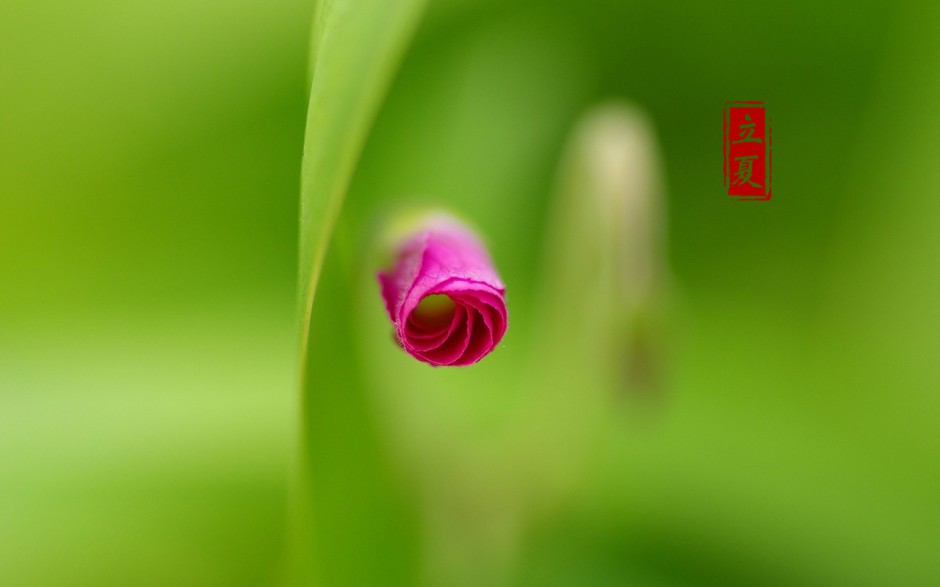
x,y
443,295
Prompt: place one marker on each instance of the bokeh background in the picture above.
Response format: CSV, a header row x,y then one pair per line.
x,y
149,179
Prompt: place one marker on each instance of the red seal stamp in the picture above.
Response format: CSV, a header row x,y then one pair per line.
x,y
747,150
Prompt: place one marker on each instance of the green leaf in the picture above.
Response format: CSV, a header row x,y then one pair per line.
x,y
357,47
349,524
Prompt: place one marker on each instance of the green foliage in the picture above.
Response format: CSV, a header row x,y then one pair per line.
x,y
349,527
149,163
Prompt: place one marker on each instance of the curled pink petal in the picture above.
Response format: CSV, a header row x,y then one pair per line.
x,y
443,295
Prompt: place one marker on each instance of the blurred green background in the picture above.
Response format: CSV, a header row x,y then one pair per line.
x,y
149,178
